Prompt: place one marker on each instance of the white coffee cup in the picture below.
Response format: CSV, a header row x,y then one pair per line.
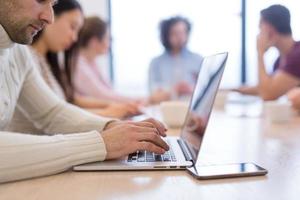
x,y
278,112
174,113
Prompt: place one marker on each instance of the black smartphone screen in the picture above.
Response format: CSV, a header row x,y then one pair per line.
x,y
228,170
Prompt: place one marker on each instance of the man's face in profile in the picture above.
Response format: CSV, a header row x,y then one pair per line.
x,y
23,19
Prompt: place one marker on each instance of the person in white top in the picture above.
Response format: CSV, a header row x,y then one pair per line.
x,y
88,79
71,136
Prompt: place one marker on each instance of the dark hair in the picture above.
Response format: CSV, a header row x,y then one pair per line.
x,y
279,17
165,29
63,74
93,27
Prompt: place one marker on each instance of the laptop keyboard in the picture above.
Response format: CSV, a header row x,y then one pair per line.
x,y
145,156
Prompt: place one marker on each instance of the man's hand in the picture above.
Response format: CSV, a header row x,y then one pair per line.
x,y
123,138
159,96
183,88
263,43
122,110
152,123
247,90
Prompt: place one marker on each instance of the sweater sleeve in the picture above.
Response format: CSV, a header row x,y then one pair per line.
x,y
25,156
49,113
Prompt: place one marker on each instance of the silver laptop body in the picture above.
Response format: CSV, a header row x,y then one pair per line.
x,y
184,150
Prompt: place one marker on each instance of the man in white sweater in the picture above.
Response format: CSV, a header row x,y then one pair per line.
x,y
73,135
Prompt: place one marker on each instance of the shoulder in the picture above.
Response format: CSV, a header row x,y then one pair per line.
x,y
22,52
22,58
81,61
292,62
159,58
195,60
156,62
195,56
293,58
294,55
83,67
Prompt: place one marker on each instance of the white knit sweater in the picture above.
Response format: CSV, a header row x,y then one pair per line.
x,y
72,134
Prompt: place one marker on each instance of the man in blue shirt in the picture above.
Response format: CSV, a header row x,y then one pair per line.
x,y
173,74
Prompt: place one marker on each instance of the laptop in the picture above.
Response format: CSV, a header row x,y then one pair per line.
x,y
184,149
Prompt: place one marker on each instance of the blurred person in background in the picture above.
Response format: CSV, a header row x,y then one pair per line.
x,y
276,31
62,37
174,73
89,81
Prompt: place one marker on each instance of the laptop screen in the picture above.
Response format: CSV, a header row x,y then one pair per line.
x,y
208,82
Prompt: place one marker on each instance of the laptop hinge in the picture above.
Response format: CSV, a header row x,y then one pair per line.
x,y
185,150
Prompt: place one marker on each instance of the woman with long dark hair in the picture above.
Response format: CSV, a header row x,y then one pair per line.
x,y
62,36
57,68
